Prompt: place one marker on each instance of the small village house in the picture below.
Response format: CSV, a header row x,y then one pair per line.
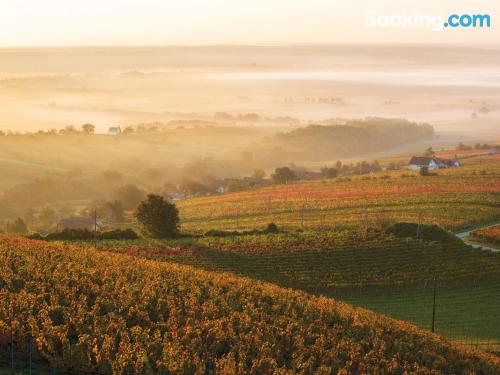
x,y
79,223
115,130
417,162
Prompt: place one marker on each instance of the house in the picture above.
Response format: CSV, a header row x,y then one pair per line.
x,y
176,197
449,163
417,162
79,223
115,130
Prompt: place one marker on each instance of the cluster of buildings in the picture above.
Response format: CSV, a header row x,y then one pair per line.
x,y
417,162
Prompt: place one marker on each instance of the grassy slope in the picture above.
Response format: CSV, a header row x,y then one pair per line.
x,y
110,312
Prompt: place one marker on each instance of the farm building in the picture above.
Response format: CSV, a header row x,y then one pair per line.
x,y
79,223
417,162
115,130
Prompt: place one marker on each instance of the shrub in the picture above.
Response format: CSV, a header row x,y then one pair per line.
x,y
272,228
119,234
86,235
283,175
424,171
427,232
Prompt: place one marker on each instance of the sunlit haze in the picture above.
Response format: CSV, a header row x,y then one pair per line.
x,y
154,22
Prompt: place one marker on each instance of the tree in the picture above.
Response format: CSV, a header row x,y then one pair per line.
x,y
159,218
376,166
283,175
88,128
18,226
130,196
462,147
429,152
69,129
46,217
193,188
259,174
115,210
329,172
424,171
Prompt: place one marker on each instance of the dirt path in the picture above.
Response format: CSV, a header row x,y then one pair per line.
x,y
464,235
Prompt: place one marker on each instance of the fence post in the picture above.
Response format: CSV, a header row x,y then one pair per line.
x,y
302,215
419,227
237,218
30,345
12,351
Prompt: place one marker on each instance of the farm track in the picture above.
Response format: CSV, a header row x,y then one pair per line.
x,y
463,236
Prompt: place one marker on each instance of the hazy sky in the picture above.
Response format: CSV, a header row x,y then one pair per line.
x,y
155,22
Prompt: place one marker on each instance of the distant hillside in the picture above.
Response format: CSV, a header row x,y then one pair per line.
x,y
91,312
350,138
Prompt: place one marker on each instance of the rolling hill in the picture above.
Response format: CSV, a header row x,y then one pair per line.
x,y
91,312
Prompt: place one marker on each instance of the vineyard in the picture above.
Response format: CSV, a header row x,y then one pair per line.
x,y
390,275
95,312
453,199
329,261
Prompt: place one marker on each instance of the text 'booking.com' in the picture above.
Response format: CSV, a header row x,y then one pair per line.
x,y
437,22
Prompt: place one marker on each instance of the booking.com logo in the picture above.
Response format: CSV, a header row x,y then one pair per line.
x,y
434,21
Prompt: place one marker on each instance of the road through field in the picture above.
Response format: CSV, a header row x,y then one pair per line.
x,y
464,235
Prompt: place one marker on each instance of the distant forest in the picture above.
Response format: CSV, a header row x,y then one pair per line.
x,y
336,139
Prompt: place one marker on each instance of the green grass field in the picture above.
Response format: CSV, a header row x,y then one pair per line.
x,y
465,313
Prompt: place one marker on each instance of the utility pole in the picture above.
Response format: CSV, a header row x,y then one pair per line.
x,y
434,308
95,228
419,227
12,351
30,346
237,218
366,219
269,206
302,215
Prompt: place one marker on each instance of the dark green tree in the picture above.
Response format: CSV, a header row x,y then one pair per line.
x,y
115,210
329,172
18,226
283,175
158,218
88,128
424,171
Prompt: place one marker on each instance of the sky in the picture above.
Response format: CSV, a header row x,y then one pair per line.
x,y
209,22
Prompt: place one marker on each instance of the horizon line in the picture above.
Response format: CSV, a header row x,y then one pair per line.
x,y
262,45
